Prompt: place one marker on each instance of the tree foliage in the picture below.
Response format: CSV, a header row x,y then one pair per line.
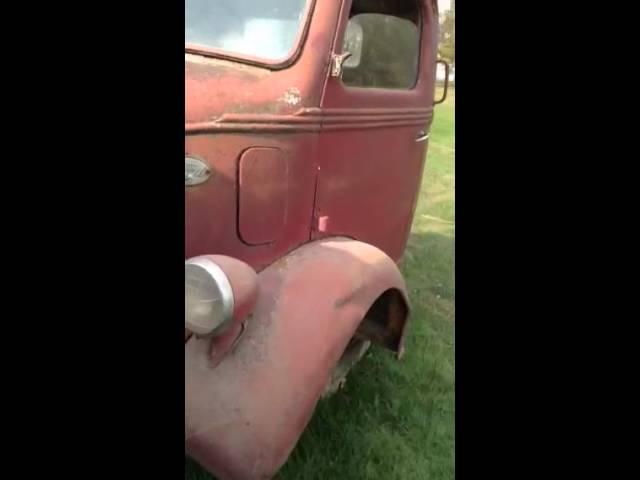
x,y
446,48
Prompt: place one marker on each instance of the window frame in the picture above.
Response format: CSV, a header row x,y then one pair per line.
x,y
420,25
294,54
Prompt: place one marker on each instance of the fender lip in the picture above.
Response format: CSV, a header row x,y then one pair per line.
x,y
244,416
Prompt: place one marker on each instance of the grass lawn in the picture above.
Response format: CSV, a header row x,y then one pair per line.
x,y
395,419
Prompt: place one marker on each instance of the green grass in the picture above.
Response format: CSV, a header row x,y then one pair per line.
x,y
395,419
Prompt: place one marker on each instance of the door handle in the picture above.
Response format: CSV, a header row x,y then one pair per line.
x,y
422,136
446,82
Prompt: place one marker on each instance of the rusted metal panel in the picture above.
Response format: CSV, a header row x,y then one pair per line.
x,y
364,188
218,93
315,119
263,184
244,416
353,163
369,179
212,210
215,86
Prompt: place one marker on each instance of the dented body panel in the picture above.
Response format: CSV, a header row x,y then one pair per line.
x,y
244,416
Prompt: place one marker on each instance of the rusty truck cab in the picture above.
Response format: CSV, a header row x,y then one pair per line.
x,y
307,123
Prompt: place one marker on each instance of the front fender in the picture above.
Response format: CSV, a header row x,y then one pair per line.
x,y
244,416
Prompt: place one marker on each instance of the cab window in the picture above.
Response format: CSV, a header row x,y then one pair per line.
x,y
383,38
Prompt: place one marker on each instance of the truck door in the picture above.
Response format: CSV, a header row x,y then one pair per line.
x,y
377,108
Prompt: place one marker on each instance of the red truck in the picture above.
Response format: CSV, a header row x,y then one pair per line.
x,y
307,124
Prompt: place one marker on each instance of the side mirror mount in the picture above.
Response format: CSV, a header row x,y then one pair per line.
x,y
446,81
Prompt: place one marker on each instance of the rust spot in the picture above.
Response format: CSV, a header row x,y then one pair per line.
x,y
292,97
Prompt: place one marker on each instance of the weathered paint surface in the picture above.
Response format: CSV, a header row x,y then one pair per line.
x,y
296,157
231,107
244,416
353,165
370,164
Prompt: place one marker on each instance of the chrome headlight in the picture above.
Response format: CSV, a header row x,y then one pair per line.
x,y
209,302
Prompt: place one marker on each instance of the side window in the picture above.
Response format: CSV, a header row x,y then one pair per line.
x,y
384,40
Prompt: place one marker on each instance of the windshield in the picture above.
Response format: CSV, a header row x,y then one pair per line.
x,y
255,28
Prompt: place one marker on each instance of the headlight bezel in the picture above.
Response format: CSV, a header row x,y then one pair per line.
x,y
217,275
